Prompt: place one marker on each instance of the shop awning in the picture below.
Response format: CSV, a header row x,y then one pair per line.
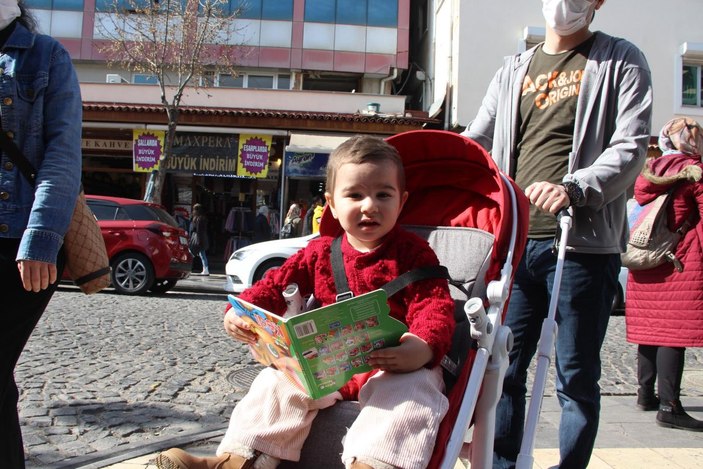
x,y
315,143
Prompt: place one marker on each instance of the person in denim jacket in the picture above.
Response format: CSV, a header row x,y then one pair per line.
x,y
40,110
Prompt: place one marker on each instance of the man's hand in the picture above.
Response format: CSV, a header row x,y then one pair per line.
x,y
548,197
412,354
36,275
238,329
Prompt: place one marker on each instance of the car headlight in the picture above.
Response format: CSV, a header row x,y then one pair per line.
x,y
241,254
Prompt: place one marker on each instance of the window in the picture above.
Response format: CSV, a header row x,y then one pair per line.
x,y
70,5
689,90
277,10
283,82
142,79
264,9
331,82
351,11
382,13
207,79
102,211
320,11
252,80
692,86
228,81
260,81
250,9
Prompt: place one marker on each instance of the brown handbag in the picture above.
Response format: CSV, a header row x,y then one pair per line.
x,y
86,256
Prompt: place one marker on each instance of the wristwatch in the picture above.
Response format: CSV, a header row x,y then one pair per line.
x,y
574,192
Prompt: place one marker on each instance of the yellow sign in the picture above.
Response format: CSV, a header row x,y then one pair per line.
x,y
253,153
148,147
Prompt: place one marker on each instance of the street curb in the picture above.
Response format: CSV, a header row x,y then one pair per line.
x,y
106,458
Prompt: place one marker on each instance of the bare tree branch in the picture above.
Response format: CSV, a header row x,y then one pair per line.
x,y
175,41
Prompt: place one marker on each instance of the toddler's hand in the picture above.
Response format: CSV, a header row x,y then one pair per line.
x,y
238,329
412,354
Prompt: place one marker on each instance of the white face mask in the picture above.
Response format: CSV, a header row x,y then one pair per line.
x,y
9,10
566,17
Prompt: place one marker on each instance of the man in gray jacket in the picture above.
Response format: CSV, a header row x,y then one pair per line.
x,y
569,120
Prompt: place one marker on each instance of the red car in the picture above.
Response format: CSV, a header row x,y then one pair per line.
x,y
148,251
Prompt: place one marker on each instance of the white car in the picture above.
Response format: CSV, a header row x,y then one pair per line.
x,y
619,300
249,264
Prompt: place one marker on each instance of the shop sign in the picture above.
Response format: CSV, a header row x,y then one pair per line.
x,y
104,144
253,155
148,146
203,155
307,165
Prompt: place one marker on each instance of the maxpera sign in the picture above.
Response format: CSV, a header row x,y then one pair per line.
x,y
203,154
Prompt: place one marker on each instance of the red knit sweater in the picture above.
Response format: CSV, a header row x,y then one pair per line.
x,y
426,306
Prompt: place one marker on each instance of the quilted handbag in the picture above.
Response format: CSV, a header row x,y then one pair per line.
x,y
86,256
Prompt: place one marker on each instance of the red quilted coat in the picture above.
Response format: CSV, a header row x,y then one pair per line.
x,y
664,306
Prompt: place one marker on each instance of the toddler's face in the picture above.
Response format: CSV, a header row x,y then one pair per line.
x,y
367,201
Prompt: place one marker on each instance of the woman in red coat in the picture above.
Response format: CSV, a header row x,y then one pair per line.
x,y
664,307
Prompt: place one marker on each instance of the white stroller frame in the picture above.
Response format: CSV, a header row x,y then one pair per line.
x,y
490,364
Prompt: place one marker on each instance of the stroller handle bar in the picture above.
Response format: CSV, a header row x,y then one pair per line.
x,y
547,340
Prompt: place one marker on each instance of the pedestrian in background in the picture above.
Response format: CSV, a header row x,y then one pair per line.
x,y
199,241
317,215
569,120
41,113
293,223
311,221
262,228
664,311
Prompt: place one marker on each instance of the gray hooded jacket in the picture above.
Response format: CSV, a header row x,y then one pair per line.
x,y
611,135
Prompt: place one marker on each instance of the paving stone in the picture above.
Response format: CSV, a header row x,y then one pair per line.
x,y
130,370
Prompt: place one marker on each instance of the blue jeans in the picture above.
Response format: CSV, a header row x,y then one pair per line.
x,y
203,258
588,285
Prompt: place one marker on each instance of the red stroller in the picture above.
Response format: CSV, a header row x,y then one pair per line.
x,y
476,221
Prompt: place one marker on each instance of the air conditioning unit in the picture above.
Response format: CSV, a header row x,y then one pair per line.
x,y
114,78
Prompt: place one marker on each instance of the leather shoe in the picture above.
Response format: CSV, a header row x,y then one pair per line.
x,y
673,415
176,458
647,400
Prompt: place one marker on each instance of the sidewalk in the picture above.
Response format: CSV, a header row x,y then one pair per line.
x,y
213,283
628,439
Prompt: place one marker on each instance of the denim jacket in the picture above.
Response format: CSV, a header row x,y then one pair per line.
x,y
41,110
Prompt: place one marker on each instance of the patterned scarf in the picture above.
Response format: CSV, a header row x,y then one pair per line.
x,y
681,135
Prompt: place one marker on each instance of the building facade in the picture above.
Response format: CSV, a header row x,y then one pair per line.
x,y
309,74
465,41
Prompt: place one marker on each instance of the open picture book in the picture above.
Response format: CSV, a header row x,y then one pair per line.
x,y
321,349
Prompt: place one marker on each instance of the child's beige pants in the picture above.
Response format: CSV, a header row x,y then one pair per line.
x,y
397,425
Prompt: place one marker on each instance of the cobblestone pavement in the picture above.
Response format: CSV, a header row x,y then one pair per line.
x,y
108,372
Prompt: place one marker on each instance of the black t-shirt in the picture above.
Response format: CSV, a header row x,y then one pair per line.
x,y
546,124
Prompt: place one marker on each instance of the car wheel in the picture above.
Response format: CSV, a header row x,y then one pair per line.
x,y
132,273
265,267
163,285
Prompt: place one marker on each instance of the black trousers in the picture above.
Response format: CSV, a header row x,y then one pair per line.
x,y
20,312
663,365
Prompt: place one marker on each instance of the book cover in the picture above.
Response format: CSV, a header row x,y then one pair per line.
x,y
320,350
